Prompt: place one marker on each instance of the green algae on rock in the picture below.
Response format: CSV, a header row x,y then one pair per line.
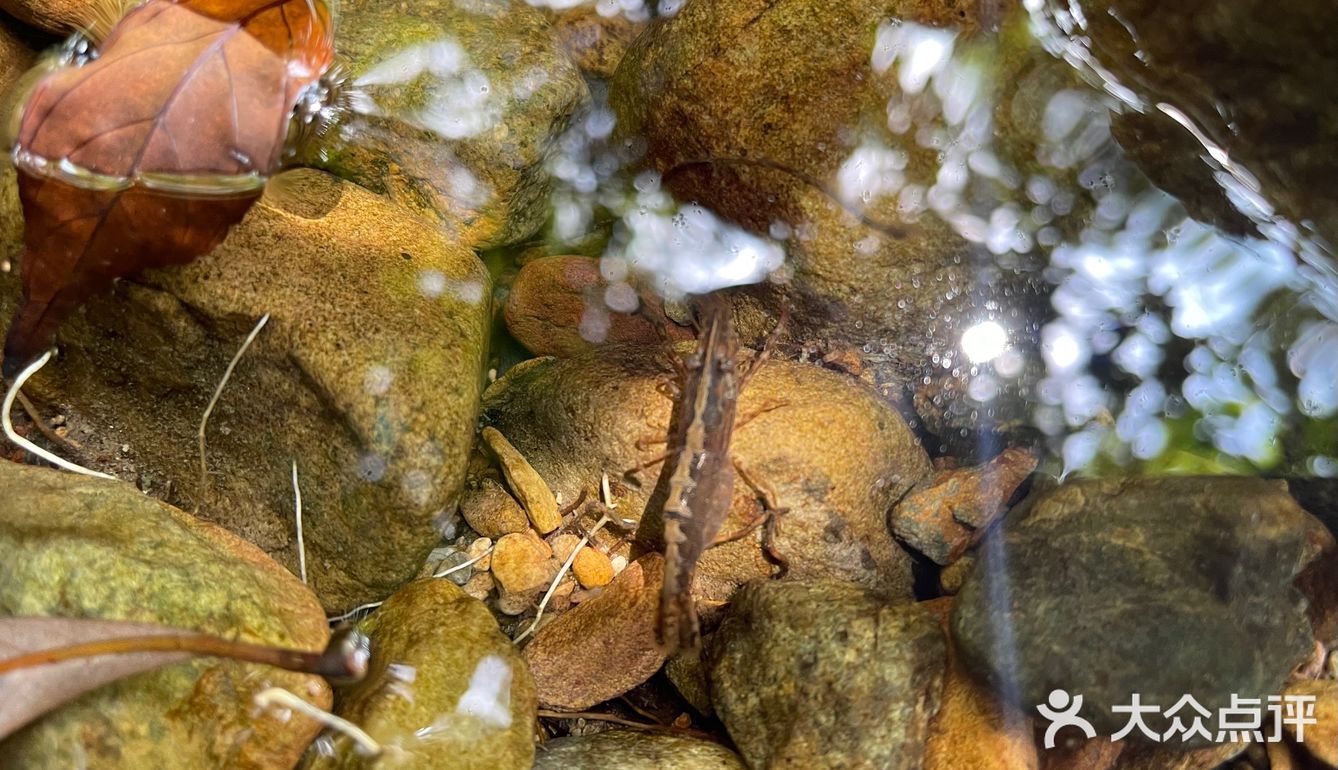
x,y
456,107
836,456
368,376
1165,587
445,690
826,674
635,750
83,548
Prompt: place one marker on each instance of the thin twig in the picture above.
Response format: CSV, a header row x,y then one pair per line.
x,y
42,427
548,595
462,565
208,410
297,514
277,696
8,424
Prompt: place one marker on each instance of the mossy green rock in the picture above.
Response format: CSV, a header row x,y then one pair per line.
x,y
457,106
1210,587
88,548
835,455
635,750
826,674
367,375
445,689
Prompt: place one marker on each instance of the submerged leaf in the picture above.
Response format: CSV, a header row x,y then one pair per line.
x,y
146,155
46,662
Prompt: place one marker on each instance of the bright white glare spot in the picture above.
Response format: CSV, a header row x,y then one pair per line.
x,y
984,341
594,326
922,51
488,698
694,252
377,380
1061,349
621,297
983,388
431,283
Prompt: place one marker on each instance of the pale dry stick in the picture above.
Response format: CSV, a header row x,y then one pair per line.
x,y
208,410
297,514
277,696
29,446
443,573
552,588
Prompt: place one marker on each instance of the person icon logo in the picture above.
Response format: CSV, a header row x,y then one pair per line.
x,y
1062,711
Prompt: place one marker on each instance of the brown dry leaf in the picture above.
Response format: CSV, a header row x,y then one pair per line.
x,y
47,662
146,155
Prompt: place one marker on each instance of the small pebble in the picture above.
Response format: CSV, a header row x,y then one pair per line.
x,y
522,563
592,568
619,564
491,511
563,545
480,585
525,481
479,550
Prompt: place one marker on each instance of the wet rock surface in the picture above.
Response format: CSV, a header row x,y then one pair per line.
x,y
89,548
458,106
943,517
603,647
60,17
1198,574
16,55
559,306
594,39
972,728
1268,66
834,456
367,376
632,750
718,83
445,688
824,674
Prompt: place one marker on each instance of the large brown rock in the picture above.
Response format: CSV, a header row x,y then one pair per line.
x,y
835,456
605,646
368,375
1253,78
90,548
787,101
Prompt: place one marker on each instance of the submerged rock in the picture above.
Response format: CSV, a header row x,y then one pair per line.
x,y
944,516
445,689
835,456
782,116
824,674
16,56
60,17
89,548
1164,587
603,647
457,106
367,376
1254,79
594,39
635,750
559,306
973,730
